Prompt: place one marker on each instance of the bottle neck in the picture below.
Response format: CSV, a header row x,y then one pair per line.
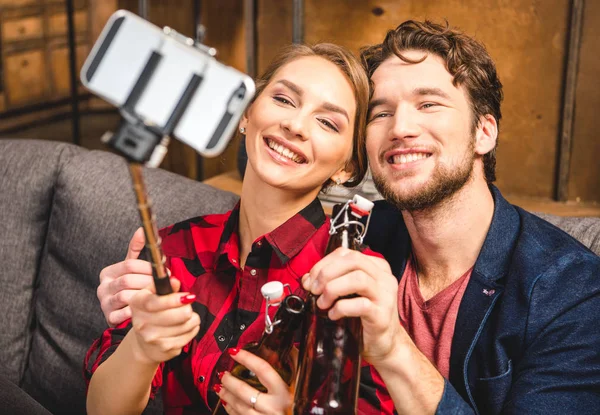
x,y
288,319
346,234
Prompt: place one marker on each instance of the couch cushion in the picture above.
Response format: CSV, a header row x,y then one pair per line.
x,y
93,217
28,170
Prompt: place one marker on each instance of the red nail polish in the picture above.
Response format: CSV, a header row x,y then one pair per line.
x,y
217,387
233,351
220,375
188,299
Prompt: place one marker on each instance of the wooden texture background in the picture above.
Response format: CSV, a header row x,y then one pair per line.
x,y
527,38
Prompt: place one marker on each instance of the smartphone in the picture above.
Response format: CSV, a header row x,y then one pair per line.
x,y
165,82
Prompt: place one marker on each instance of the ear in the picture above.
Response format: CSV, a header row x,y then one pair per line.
x,y
243,121
486,134
342,175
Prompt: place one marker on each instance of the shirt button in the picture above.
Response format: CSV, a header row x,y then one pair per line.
x,y
253,272
242,327
201,379
234,261
259,243
221,338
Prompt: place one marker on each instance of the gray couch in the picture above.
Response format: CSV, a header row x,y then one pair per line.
x,y
67,213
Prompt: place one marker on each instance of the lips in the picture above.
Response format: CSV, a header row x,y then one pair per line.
x,y
405,156
285,149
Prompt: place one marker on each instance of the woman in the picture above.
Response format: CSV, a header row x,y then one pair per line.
x,y
304,131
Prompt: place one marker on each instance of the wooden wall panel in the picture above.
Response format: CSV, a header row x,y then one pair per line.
x,y
527,39
274,27
584,177
224,21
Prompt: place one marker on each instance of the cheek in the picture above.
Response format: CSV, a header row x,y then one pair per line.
x,y
337,154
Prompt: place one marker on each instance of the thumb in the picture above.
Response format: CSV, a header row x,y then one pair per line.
x,y
137,243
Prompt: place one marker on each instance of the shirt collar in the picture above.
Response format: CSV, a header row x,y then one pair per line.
x,y
286,240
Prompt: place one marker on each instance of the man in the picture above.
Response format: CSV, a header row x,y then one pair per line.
x,y
497,307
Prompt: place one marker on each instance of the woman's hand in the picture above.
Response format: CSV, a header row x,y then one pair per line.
x,y
121,281
238,396
162,325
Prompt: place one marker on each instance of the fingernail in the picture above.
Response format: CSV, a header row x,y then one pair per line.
x,y
217,387
188,299
220,375
314,286
233,351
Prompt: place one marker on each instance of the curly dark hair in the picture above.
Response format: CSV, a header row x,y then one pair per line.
x,y
466,59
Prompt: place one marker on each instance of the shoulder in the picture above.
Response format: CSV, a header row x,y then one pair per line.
x,y
552,271
185,238
541,245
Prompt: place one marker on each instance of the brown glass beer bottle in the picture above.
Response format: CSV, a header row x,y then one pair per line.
x,y
277,339
330,355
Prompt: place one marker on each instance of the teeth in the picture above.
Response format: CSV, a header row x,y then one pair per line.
x,y
284,151
408,158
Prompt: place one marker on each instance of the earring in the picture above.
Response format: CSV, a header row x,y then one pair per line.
x,y
242,130
338,181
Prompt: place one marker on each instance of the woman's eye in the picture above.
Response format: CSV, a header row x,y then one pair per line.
x,y
329,125
283,100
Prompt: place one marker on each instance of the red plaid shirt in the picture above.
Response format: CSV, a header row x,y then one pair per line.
x,y
203,253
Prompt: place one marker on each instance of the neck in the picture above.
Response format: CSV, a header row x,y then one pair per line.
x,y
263,208
447,238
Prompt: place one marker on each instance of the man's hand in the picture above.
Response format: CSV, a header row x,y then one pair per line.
x,y
345,272
121,281
414,384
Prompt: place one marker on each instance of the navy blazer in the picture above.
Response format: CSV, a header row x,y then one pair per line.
x,y
527,335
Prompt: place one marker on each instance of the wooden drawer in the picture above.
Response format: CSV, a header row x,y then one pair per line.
x,y
22,29
57,23
25,77
60,68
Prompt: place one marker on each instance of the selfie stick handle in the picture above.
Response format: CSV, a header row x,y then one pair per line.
x,y
159,271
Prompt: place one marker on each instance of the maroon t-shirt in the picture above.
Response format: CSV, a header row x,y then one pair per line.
x,y
431,323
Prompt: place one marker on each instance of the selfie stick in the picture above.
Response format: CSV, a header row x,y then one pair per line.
x,y
143,144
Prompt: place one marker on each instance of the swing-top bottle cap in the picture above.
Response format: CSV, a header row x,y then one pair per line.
x,y
361,206
272,290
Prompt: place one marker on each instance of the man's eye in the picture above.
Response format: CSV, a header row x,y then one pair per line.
x,y
428,105
329,125
282,100
379,115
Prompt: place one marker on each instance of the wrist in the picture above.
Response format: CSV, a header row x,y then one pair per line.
x,y
137,352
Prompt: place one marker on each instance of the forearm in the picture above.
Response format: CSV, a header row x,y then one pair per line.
x,y
414,384
121,385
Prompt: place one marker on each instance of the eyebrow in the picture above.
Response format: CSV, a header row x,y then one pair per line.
x,y
327,105
295,88
417,91
431,91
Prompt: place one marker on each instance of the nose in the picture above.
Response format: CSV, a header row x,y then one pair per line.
x,y
405,124
295,126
